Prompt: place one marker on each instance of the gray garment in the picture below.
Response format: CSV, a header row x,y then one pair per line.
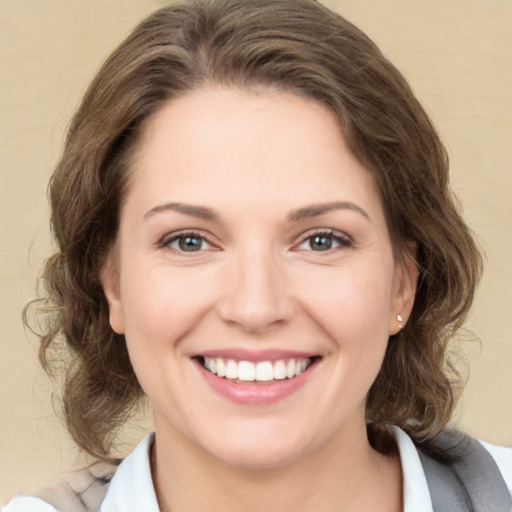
x,y
462,476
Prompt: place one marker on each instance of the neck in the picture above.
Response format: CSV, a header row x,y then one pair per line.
x,y
340,476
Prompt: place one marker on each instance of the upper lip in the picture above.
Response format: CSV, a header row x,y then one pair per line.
x,y
255,356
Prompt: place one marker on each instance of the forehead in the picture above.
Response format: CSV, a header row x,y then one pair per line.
x,y
234,145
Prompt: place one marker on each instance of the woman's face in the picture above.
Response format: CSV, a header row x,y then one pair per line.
x,y
253,277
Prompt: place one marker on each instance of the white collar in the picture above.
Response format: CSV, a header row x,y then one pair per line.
x,y
132,486
415,488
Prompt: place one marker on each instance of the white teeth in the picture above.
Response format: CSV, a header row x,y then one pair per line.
x,y
246,371
231,370
264,371
279,370
221,367
290,368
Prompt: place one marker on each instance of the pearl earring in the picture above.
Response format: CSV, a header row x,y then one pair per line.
x,y
400,321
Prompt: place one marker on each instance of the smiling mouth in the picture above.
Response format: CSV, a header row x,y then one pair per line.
x,y
263,372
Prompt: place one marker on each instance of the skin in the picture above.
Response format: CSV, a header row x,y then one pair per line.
x,y
258,282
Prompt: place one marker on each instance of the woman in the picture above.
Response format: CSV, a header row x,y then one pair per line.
x,y
256,232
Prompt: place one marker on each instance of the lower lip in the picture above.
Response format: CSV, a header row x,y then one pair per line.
x,y
256,394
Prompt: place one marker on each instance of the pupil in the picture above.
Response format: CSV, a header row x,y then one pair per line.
x,y
321,243
190,243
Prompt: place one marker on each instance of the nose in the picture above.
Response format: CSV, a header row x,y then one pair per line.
x,y
256,298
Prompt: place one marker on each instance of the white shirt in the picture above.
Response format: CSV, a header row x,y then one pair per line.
x,y
131,489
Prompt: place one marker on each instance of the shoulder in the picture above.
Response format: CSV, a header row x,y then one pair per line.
x,y
82,491
455,469
22,503
123,487
465,471
503,458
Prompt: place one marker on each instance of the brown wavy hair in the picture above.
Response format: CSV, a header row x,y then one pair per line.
x,y
293,45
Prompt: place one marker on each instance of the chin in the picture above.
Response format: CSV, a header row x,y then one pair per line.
x,y
257,457
256,450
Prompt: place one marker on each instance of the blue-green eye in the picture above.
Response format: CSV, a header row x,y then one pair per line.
x,y
188,242
324,241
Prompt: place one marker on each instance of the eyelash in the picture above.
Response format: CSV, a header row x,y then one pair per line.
x,y
175,237
340,239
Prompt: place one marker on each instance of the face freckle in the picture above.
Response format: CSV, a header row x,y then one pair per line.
x,y
254,277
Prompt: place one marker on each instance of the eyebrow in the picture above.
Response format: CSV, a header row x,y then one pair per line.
x,y
316,210
200,212
204,213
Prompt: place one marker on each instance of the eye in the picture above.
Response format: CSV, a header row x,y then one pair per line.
x,y
187,242
324,241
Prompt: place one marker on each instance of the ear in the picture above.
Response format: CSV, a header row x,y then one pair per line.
x,y
405,280
109,277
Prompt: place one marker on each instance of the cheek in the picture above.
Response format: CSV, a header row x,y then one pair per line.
x,y
353,305
161,308
352,308
162,304
356,320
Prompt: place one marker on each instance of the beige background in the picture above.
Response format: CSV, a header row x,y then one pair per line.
x,y
458,58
